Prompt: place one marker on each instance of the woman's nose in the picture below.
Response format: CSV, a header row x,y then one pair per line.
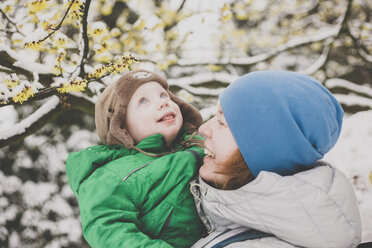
x,y
204,129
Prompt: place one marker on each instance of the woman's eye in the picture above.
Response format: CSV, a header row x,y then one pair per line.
x,y
163,95
143,101
221,123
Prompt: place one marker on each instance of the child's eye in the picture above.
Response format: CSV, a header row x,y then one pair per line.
x,y
143,101
163,95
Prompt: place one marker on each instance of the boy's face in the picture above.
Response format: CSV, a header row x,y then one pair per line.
x,y
151,111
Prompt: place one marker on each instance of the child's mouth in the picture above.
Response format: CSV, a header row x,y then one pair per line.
x,y
167,117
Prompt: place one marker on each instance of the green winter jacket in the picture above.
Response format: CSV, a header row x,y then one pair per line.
x,y
128,199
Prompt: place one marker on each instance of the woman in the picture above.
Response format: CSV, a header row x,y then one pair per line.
x,y
262,183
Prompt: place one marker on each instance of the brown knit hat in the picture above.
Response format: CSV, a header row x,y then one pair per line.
x,y
111,106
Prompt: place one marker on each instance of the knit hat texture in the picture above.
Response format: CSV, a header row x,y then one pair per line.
x,y
111,106
282,122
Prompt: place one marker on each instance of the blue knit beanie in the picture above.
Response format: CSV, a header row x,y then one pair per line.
x,y
282,122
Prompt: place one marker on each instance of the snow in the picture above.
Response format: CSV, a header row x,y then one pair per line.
x,y
25,59
26,123
36,194
352,155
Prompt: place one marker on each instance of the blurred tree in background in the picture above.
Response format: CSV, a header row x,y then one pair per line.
x,y
57,56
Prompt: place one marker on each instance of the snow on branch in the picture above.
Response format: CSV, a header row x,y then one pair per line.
x,y
352,87
353,100
251,60
27,126
365,55
12,60
190,83
320,62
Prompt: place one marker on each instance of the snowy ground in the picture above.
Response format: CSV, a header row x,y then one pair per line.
x,y
353,155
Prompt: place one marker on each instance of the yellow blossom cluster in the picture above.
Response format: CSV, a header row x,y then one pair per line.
x,y
60,41
226,13
61,56
37,5
119,66
11,83
74,85
34,45
47,26
103,48
76,11
8,8
24,95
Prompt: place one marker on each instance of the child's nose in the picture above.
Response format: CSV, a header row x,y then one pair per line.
x,y
163,103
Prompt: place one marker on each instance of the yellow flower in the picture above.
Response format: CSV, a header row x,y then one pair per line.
x,y
60,40
57,70
11,83
215,67
185,95
226,13
124,63
115,32
227,16
139,26
75,85
370,177
34,45
106,9
76,11
103,48
24,95
61,56
8,8
37,5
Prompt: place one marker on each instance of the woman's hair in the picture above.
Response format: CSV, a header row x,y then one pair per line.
x,y
237,169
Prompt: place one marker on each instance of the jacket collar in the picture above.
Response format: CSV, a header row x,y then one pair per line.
x,y
156,143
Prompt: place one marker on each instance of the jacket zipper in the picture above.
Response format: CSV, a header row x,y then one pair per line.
x,y
125,178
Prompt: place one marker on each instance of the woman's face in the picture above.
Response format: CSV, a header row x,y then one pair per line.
x,y
219,146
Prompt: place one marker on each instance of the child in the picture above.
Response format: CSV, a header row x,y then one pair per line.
x,y
134,190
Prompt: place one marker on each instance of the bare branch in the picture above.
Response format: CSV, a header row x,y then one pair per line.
x,y
85,37
9,20
60,24
181,6
321,61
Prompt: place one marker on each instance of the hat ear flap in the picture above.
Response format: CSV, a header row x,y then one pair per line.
x,y
192,119
117,135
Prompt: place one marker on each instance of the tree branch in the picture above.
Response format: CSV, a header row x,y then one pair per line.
x,y
9,20
181,6
8,61
85,38
32,123
60,24
42,94
45,114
